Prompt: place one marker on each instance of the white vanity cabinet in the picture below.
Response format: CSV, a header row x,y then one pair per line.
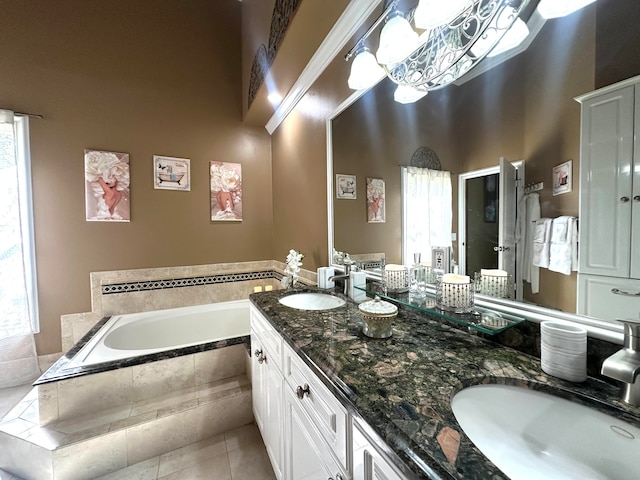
x,y
609,270
303,425
368,461
267,382
315,422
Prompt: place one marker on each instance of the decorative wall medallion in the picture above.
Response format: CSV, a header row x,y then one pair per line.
x,y
283,13
425,157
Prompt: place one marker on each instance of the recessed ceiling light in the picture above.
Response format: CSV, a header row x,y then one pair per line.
x,y
275,98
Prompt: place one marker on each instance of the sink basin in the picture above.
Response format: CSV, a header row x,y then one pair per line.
x,y
312,301
533,435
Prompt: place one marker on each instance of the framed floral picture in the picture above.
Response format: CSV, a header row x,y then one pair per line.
x,y
562,182
375,201
345,186
226,191
171,173
107,192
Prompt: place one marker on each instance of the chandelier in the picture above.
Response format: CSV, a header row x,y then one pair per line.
x,y
448,40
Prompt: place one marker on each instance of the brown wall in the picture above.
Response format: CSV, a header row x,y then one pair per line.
x,y
145,77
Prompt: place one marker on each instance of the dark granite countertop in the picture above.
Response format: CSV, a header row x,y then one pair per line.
x,y
402,386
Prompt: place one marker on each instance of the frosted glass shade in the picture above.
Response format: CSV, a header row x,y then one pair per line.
x,y
490,36
365,71
434,13
406,94
559,8
514,37
397,41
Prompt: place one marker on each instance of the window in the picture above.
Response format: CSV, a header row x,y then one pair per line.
x,y
18,293
426,212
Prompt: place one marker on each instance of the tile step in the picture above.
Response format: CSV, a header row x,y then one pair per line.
x,y
111,439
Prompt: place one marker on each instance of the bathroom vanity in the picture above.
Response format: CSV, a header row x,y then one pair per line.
x,y
332,403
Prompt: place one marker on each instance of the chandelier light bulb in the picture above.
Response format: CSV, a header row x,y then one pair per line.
x,y
434,13
397,41
405,94
560,8
365,71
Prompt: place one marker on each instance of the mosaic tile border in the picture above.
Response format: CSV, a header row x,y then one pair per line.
x,y
146,285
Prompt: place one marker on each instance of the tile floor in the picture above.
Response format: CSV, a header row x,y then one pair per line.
x,y
235,455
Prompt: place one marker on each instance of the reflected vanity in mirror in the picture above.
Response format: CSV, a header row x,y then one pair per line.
x,y
521,108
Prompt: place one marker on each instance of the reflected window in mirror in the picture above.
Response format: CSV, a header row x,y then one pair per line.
x,y
426,212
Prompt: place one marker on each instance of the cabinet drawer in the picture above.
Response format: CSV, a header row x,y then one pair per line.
x,y
268,336
324,409
597,297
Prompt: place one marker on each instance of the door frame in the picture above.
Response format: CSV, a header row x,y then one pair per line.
x,y
462,211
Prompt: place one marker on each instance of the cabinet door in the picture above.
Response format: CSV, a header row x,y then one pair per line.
x,y
266,395
605,183
307,457
635,221
368,463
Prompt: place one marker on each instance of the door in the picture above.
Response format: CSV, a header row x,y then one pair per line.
x,y
605,183
507,218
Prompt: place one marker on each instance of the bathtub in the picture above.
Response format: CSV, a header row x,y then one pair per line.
x,y
138,334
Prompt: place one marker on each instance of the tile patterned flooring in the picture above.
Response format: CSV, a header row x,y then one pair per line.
x,y
235,455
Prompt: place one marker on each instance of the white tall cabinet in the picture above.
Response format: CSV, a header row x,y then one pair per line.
x,y
609,269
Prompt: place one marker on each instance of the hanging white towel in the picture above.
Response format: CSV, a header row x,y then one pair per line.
x,y
563,252
542,242
528,213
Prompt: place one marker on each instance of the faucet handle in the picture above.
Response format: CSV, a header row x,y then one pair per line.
x,y
631,328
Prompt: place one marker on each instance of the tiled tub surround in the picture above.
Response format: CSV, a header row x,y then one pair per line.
x,y
142,290
87,426
402,386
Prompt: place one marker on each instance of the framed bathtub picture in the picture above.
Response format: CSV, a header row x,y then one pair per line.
x,y
106,176
562,181
171,173
346,186
226,191
375,201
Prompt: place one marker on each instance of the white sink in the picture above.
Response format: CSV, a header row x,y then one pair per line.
x,y
531,435
312,301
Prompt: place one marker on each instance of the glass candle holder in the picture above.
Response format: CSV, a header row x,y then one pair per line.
x,y
494,285
454,293
396,278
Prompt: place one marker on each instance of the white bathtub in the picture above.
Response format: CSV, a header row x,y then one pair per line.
x,y
136,334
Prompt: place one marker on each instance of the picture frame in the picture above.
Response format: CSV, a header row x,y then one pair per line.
x,y
171,173
562,178
345,186
376,209
226,191
107,186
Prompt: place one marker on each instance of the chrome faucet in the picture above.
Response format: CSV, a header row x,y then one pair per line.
x,y
345,276
624,365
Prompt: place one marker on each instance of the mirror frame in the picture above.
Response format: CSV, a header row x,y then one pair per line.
x,y
596,328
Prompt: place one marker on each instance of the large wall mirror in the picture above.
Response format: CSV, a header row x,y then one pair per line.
x,y
522,109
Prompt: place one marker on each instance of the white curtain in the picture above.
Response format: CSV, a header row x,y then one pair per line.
x,y
18,312
427,211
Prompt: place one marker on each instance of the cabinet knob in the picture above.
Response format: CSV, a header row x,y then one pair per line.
x,y
301,391
624,199
260,356
636,198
